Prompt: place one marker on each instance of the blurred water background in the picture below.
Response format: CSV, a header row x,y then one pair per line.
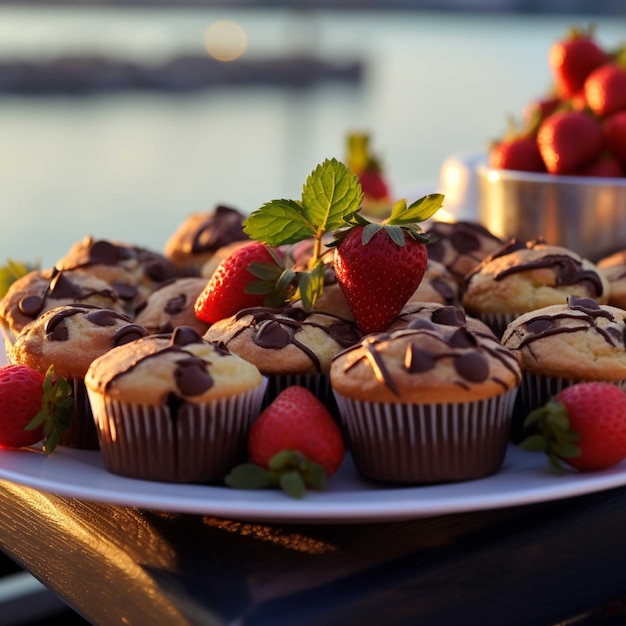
x,y
130,163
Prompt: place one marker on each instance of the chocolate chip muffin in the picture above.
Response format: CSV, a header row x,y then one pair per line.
x,y
289,346
172,305
173,407
562,344
524,276
461,246
133,272
200,235
41,290
70,337
429,403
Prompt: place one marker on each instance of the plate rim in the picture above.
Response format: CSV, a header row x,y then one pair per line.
x,y
525,478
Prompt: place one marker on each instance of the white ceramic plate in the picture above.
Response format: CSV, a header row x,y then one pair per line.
x,y
525,478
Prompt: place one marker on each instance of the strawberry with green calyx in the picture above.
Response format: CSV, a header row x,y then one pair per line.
x,y
584,426
252,275
380,265
294,444
331,197
33,407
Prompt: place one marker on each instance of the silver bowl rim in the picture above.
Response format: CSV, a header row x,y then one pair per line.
x,y
484,170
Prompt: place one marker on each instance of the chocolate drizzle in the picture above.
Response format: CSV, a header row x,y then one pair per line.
x,y
101,252
470,352
275,329
59,287
585,314
56,329
191,375
568,270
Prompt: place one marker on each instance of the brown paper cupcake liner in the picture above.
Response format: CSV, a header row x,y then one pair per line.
x,y
427,443
318,384
497,321
199,444
82,432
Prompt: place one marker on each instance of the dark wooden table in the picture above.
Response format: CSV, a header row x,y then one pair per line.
x,y
530,565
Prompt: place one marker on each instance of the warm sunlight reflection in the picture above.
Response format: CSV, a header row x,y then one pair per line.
x,y
225,40
291,541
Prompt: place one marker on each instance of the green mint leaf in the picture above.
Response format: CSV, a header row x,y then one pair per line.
x,y
249,476
418,211
315,476
331,192
278,222
11,272
311,285
292,484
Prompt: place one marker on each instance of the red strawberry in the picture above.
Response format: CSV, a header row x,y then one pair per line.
x,y
294,443
21,389
583,426
519,153
246,278
606,166
605,89
614,134
378,273
376,195
572,59
569,140
33,407
374,185
537,110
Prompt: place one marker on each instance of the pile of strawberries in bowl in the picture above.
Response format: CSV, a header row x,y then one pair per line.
x,y
560,172
579,128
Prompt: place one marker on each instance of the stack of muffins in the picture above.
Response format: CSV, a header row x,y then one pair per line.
x,y
494,328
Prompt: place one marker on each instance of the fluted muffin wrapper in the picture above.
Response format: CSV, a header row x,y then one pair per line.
x,y
317,384
534,391
82,431
201,444
497,321
427,443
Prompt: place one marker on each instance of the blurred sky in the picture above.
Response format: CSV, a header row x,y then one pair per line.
x,y
132,164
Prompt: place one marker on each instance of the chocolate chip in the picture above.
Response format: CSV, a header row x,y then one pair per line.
x,y
191,376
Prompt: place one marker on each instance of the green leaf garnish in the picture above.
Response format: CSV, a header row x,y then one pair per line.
x,y
555,437
11,272
57,407
289,470
331,201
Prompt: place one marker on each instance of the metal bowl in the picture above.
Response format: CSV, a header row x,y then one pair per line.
x,y
584,214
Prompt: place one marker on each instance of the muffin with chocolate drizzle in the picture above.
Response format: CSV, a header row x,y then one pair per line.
x,y
201,235
70,337
41,290
172,305
563,344
290,346
461,246
428,403
524,276
132,271
173,407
